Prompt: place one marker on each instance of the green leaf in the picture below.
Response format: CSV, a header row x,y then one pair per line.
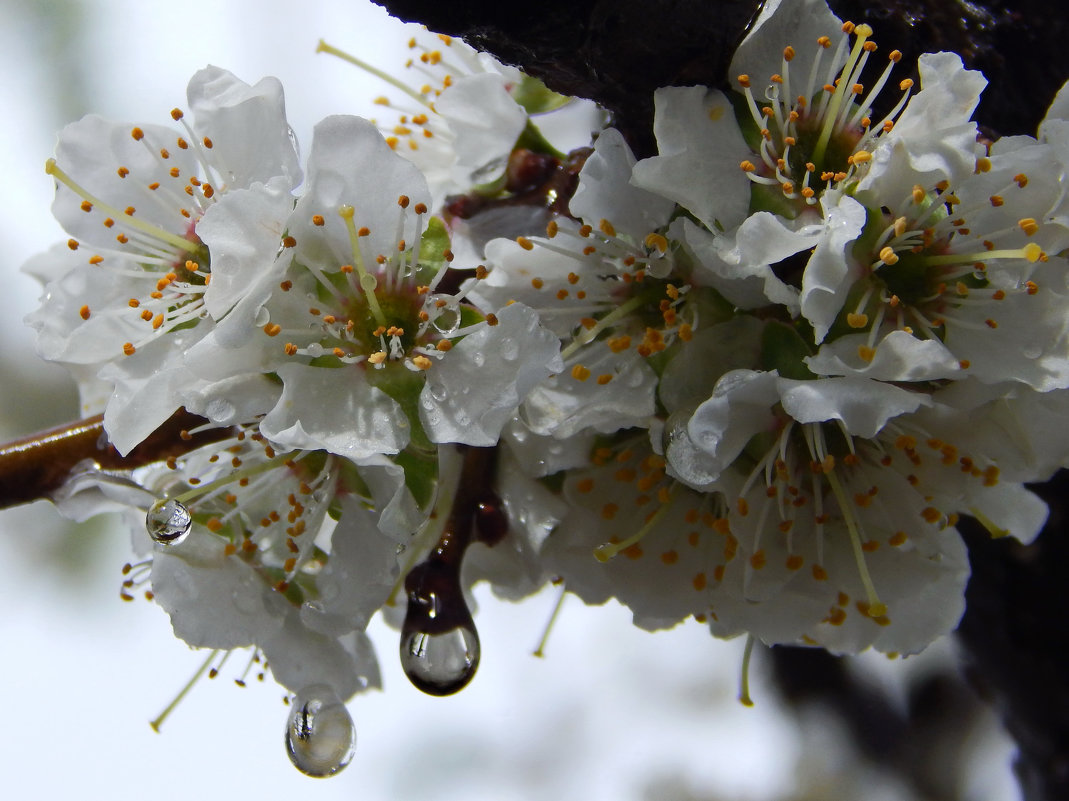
x,y
783,349
421,475
535,98
532,139
432,247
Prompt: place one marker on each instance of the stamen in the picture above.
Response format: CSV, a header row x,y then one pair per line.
x,y
183,244
155,724
323,47
875,608
744,675
607,550
540,651
367,281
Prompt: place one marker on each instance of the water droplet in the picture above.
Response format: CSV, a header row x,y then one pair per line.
x,y
509,349
168,521
439,644
441,663
320,736
314,349
220,411
491,522
263,317
478,358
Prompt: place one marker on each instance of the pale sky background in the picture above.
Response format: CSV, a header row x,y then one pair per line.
x,y
611,714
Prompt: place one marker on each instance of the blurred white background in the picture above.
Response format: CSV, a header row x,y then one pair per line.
x,y
612,713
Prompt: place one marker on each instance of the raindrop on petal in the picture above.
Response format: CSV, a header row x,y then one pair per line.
x,y
320,735
509,349
168,521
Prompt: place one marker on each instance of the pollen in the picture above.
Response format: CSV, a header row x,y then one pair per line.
x,y
580,373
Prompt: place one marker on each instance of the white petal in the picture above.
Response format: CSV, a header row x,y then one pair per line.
x,y
243,232
335,410
899,357
484,118
788,22
862,405
351,164
700,147
605,191
478,386
829,274
251,139
933,139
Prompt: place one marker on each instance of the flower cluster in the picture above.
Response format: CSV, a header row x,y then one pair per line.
x,y
755,379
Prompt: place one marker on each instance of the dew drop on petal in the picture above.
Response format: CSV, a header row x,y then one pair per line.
x,y
168,521
440,663
508,349
320,735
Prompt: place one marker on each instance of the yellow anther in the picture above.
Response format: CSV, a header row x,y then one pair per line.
x,y
855,320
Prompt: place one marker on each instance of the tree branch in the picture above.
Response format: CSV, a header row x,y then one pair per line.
x,y
34,467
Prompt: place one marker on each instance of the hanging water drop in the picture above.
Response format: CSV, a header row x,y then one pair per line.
x,y
440,663
320,735
168,521
439,644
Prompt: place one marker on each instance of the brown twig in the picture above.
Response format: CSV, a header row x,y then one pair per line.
x,y
34,467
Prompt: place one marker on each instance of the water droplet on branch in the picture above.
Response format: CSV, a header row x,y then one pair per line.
x,y
168,521
320,735
439,644
491,522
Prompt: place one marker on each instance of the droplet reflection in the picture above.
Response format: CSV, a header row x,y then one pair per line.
x,y
439,645
440,664
320,735
168,521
